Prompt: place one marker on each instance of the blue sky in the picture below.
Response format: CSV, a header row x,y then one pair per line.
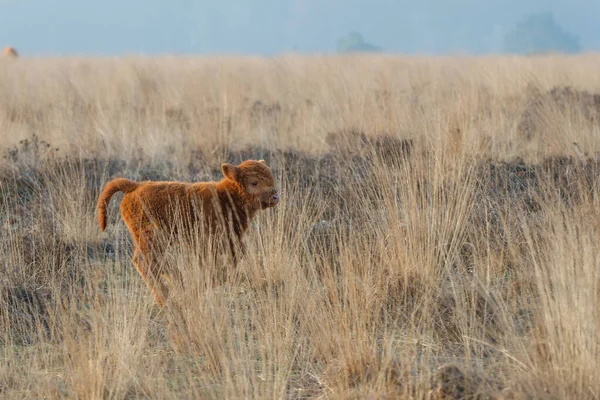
x,y
268,27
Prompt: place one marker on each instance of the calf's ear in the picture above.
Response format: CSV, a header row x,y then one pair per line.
x,y
262,161
230,171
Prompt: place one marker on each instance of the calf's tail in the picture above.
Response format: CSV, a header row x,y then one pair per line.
x,y
116,185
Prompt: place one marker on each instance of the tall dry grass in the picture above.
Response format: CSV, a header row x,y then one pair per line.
x,y
466,267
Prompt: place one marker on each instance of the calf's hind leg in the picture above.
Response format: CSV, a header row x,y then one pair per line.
x,y
144,264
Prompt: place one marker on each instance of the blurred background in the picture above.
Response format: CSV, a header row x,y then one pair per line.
x,y
269,27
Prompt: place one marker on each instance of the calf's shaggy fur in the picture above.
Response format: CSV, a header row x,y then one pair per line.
x,y
151,209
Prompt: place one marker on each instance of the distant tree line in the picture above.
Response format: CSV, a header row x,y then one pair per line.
x,y
535,34
354,42
540,33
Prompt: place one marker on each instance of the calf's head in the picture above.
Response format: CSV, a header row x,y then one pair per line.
x,y
256,181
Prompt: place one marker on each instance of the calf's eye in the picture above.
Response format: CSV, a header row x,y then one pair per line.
x,y
254,183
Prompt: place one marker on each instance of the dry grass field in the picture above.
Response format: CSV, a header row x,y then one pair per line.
x,y
437,236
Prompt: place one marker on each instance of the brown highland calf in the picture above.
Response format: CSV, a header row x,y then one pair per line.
x,y
151,209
